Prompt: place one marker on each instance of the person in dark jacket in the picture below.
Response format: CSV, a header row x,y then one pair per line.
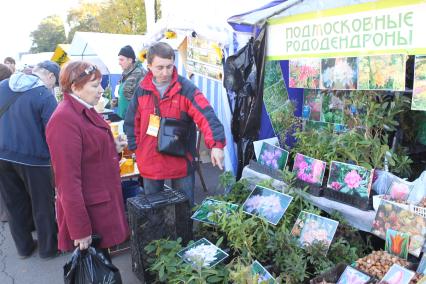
x,y
180,99
25,174
86,164
133,72
5,73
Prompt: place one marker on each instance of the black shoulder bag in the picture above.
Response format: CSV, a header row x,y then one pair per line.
x,y
9,103
173,135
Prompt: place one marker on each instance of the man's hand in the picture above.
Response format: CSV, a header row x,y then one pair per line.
x,y
120,142
83,243
217,157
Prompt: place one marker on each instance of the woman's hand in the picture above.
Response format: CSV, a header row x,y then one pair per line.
x,y
83,243
120,142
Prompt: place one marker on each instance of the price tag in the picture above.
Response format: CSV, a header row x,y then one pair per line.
x,y
154,125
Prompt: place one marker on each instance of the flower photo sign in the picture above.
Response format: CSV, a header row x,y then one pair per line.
x,y
308,169
263,275
399,190
418,101
397,243
267,204
382,72
339,73
202,253
210,207
353,276
304,73
273,157
311,228
398,274
391,216
349,179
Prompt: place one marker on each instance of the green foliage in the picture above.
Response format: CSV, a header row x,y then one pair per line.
x,y
84,18
366,143
169,268
123,17
251,238
49,33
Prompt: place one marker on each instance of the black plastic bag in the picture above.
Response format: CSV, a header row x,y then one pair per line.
x,y
90,267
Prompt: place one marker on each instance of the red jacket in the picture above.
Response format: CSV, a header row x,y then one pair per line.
x,y
87,176
182,100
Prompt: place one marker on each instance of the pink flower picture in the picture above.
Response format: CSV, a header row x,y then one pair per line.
x,y
353,276
308,169
400,190
267,204
349,179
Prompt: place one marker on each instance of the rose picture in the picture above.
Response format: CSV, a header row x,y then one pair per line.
x,y
349,179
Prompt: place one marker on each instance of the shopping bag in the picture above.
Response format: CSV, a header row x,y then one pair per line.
x,y
90,267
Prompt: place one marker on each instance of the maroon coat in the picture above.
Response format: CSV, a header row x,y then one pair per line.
x,y
87,176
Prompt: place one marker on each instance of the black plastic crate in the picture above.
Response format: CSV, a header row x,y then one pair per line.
x,y
258,167
166,214
352,200
313,189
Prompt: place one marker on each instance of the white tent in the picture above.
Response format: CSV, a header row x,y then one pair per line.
x,y
32,59
102,49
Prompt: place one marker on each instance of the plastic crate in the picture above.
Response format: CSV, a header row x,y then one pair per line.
x,y
411,207
166,214
352,200
418,210
313,189
377,199
258,167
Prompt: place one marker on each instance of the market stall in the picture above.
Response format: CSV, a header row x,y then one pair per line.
x,y
342,87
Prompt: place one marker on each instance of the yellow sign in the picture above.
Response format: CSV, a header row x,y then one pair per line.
x,y
60,55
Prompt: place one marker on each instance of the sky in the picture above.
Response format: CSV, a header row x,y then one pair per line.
x,y
20,17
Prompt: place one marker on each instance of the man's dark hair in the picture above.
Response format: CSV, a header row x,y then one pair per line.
x,y
9,60
160,49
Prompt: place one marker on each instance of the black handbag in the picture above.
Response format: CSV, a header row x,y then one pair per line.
x,y
173,135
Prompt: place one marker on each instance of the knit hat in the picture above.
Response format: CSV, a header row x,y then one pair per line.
x,y
5,72
127,51
51,67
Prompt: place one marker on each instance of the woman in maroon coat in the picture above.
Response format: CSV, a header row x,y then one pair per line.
x,y
85,163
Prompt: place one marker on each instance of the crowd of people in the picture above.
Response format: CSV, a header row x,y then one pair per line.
x,y
59,162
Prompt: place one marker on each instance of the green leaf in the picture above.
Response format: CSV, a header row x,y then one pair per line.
x,y
214,279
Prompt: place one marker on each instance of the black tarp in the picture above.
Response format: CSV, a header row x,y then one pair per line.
x,y
243,79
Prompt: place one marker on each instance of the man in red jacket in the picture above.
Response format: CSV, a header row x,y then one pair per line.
x,y
178,98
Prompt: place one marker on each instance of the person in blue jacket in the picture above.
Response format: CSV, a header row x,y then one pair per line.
x,y
25,173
